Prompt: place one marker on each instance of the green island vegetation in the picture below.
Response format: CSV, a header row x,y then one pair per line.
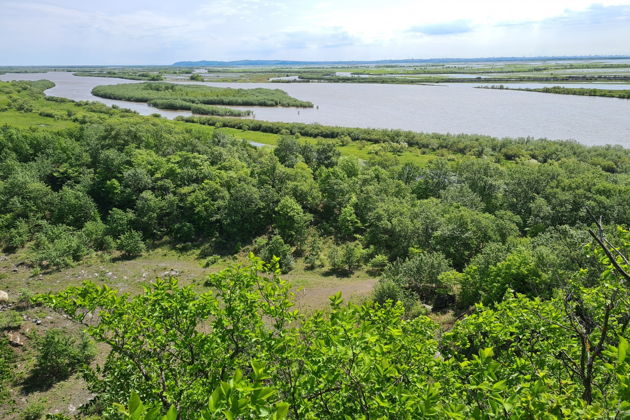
x,y
511,78
608,93
196,108
499,270
198,94
122,75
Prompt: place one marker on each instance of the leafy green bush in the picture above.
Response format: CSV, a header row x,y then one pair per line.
x,y
7,358
33,411
131,244
378,263
346,258
520,359
387,289
420,275
290,220
276,247
60,354
10,320
58,246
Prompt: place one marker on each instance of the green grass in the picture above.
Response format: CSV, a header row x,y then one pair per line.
x,y
359,150
32,119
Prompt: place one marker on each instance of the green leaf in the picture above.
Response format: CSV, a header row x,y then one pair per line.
x,y
134,402
486,353
282,411
622,350
213,402
171,414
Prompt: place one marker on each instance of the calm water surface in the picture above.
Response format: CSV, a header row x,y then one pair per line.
x,y
452,108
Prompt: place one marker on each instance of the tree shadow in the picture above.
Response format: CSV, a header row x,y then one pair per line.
x,y
337,273
37,381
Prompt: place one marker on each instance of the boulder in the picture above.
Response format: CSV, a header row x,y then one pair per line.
x,y
4,296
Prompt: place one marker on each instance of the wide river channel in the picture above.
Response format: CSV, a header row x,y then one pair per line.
x,y
447,108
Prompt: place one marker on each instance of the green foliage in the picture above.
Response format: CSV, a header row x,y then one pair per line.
x,y
74,208
349,223
118,180
130,244
60,354
33,411
168,319
388,290
145,92
10,320
519,359
276,248
421,275
609,93
234,399
7,359
378,263
290,220
58,246
288,151
197,108
346,258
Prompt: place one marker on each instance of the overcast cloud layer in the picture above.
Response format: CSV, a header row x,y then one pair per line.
x,y
72,32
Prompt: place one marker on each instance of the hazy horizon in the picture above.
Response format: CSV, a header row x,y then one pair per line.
x,y
73,32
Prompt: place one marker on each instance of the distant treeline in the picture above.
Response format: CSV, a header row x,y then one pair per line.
x,y
198,94
434,79
122,75
508,68
609,93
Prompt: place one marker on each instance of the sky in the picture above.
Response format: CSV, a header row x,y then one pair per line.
x,y
127,32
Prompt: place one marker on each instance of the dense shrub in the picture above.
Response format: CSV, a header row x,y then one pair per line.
x,y
60,354
130,244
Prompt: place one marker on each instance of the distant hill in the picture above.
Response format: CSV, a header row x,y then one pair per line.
x,y
259,63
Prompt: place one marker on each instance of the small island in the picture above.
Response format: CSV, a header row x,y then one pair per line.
x,y
198,99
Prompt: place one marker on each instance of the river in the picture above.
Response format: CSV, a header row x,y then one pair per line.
x,y
451,108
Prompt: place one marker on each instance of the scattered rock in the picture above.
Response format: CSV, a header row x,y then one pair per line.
x,y
38,322
4,296
171,273
15,340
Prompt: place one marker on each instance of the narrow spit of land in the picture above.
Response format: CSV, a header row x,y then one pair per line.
x,y
607,93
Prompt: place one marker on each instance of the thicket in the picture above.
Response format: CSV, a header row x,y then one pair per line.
x,y
500,231
130,75
125,184
196,108
59,355
241,350
609,158
199,94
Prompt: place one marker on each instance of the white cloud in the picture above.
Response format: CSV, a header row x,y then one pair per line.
x,y
160,32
